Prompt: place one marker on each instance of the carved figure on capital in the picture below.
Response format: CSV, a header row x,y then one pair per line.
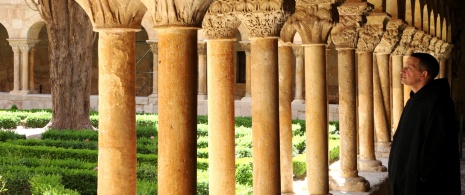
x,y
370,34
416,41
445,51
424,44
219,21
405,41
432,45
344,34
262,18
392,36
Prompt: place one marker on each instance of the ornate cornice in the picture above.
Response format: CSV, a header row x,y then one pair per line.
x,y
312,21
202,48
220,21
263,18
298,50
391,36
344,34
370,34
177,13
114,14
404,44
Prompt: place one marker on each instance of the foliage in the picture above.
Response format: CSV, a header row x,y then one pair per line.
x,y
38,119
299,165
49,184
8,120
10,135
2,183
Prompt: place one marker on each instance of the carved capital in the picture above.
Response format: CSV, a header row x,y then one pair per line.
x,y
246,47
405,41
202,48
153,47
177,13
344,34
220,22
114,14
424,44
263,18
370,35
432,45
23,45
298,50
416,41
391,36
445,51
312,21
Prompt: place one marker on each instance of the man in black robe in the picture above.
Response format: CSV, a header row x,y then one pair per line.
x,y
424,156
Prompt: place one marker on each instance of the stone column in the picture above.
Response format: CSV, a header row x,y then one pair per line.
x,y
154,49
442,69
384,73
299,75
381,123
117,72
369,36
407,89
202,52
285,116
222,179
221,41
31,70
347,179
24,68
397,90
117,131
16,68
248,91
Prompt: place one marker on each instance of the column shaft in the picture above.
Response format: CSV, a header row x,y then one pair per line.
x,y
285,118
316,109
222,178
31,70
397,90
384,77
299,77
117,126
16,69
442,69
202,71
381,120
155,69
248,77
265,116
407,89
177,138
25,70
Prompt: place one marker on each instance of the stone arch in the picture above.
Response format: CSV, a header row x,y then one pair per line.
x,y
408,12
432,23
34,30
288,32
32,26
147,24
417,15
144,64
444,30
6,61
438,26
424,18
41,59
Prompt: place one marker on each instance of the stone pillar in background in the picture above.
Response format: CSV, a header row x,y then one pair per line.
x,y
221,41
443,53
154,49
285,115
316,107
248,91
31,70
16,68
344,37
117,71
24,47
369,36
202,52
299,74
384,126
265,98
177,29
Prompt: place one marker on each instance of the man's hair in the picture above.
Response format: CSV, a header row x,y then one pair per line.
x,y
428,63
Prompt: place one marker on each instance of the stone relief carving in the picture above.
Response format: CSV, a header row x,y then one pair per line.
x,y
424,44
370,34
344,34
312,21
432,45
391,37
15,47
404,45
177,13
445,51
416,42
262,18
106,14
220,22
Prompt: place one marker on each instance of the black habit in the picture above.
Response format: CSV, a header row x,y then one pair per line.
x,y
424,156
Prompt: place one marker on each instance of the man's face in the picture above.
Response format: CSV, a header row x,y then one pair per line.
x,y
412,75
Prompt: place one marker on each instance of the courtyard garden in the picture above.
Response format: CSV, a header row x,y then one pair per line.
x,y
65,162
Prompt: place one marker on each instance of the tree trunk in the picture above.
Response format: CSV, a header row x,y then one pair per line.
x,y
70,47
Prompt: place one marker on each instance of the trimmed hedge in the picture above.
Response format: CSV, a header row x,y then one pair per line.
x,y
38,119
10,135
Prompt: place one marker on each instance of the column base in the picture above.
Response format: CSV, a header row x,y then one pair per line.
x,y
348,184
15,91
298,101
202,97
370,166
247,99
382,149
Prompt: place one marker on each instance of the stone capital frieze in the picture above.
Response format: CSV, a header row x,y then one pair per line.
x,y
298,50
246,47
262,18
370,35
445,51
222,26
423,45
345,33
432,45
114,14
177,12
23,45
404,45
313,22
416,41
202,48
153,46
391,36
306,2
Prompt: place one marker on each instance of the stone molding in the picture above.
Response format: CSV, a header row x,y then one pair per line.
x,y
202,48
391,36
220,22
312,21
298,50
177,13
246,46
263,18
404,44
114,14
344,34
369,36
